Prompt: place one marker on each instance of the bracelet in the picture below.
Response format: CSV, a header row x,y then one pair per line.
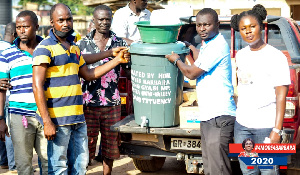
x,y
2,117
176,61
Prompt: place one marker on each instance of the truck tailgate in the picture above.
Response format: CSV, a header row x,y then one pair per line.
x,y
128,125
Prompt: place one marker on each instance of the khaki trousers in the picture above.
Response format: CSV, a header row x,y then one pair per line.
x,y
24,140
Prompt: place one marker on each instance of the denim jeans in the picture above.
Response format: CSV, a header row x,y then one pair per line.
x,y
69,150
3,154
6,148
258,136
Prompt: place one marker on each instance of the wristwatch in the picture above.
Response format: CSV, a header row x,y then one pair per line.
x,y
279,132
175,62
1,117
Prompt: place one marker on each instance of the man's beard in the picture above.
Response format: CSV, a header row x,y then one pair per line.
x,y
24,41
63,34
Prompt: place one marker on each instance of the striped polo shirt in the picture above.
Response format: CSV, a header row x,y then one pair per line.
x,y
16,64
62,85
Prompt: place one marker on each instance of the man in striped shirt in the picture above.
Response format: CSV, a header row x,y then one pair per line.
x,y
57,65
16,64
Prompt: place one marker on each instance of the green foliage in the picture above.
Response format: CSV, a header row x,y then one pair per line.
x,y
39,2
76,6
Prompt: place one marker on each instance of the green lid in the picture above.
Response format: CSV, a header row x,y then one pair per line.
x,y
158,49
157,33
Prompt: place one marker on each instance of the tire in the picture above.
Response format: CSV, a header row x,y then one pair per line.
x,y
152,165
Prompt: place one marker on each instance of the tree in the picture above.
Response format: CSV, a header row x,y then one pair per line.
x,y
76,6
39,2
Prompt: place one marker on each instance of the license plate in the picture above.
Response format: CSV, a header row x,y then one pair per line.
x,y
186,144
123,100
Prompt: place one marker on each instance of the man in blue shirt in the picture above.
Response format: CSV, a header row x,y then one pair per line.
x,y
213,72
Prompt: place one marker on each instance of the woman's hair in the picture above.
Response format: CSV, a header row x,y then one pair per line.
x,y
248,139
258,12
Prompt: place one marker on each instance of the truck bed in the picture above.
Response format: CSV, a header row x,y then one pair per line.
x,y
128,125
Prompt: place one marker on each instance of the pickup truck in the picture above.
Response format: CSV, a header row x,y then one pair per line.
x,y
148,147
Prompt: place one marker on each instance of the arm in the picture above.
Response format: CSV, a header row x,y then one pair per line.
x,y
93,58
4,84
3,126
192,72
38,75
281,92
194,50
92,74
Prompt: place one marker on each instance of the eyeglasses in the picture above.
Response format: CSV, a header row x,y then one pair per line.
x,y
249,143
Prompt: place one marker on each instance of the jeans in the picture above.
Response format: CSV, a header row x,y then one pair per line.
x,y
24,140
6,148
3,154
258,136
69,150
10,153
216,134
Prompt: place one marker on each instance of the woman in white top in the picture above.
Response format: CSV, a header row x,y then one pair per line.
x,y
263,79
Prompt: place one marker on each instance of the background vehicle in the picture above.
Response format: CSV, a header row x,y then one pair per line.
x,y
149,146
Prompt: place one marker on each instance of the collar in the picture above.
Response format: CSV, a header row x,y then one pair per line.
x,y
206,42
70,38
131,13
91,35
17,41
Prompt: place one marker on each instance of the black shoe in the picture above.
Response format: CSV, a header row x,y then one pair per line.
x,y
98,159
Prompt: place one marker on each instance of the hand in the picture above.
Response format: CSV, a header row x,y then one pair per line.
x,y
4,84
172,57
275,137
49,130
187,44
3,130
127,55
116,50
121,56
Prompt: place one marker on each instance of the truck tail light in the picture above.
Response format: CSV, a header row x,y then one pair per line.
x,y
122,85
290,109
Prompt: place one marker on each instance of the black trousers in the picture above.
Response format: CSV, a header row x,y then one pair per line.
x,y
216,134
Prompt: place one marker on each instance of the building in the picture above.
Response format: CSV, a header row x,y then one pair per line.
x,y
286,8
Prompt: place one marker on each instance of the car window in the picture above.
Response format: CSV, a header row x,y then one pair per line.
x,y
225,30
275,37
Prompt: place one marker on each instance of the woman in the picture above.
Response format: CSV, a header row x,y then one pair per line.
x,y
263,79
248,145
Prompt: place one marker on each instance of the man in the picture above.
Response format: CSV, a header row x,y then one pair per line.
x,y
124,19
102,100
57,65
16,64
212,70
6,148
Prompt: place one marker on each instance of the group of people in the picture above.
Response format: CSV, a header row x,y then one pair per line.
x,y
261,89
51,79
63,93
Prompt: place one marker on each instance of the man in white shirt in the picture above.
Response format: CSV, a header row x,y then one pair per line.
x,y
124,19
